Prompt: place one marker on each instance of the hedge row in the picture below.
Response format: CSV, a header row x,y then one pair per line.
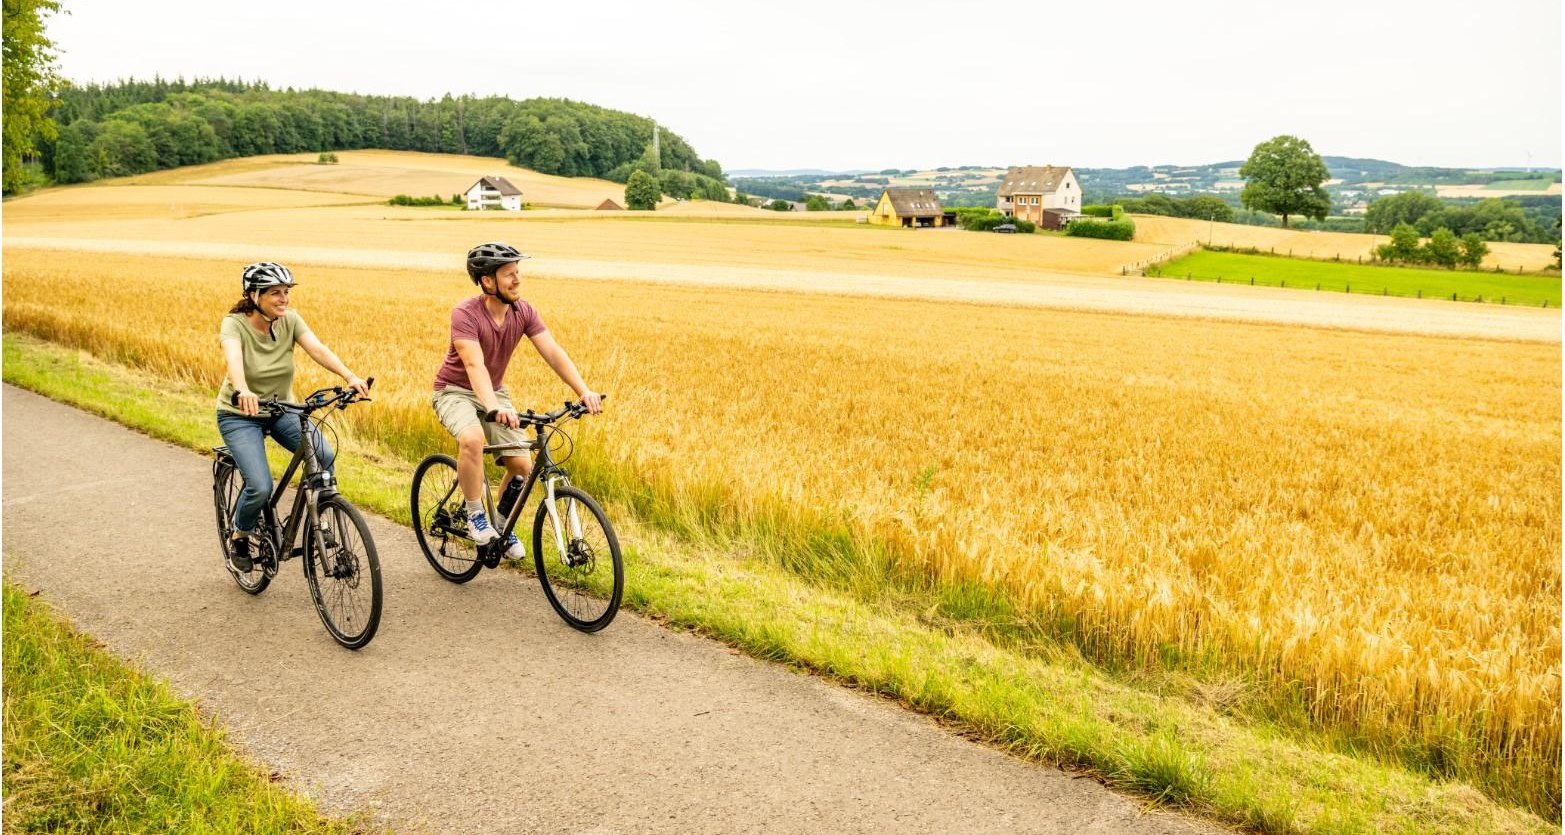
x,y
1114,212
1114,230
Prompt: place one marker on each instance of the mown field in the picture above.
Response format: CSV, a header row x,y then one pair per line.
x,y
1345,246
1331,276
1354,536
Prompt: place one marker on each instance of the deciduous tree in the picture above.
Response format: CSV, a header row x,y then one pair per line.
x,y
1283,176
1442,249
1409,207
30,77
1473,250
643,191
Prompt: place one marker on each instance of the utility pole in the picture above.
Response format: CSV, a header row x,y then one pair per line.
x,y
657,151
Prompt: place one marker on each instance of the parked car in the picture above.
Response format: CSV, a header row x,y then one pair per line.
x,y
1006,227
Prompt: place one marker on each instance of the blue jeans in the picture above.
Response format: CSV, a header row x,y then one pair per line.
x,y
245,437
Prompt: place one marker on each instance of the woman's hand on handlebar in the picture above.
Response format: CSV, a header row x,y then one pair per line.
x,y
248,403
593,401
360,386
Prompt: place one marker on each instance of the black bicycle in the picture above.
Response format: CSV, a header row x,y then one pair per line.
x,y
340,563
575,551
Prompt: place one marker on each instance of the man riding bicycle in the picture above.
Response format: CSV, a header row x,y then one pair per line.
x,y
470,398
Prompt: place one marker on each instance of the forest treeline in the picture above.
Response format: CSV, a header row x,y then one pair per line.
x,y
130,127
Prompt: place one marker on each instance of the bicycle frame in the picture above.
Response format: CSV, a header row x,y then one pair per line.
x,y
304,498
546,470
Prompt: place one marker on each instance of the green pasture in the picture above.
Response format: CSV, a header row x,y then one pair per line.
x,y
1531,290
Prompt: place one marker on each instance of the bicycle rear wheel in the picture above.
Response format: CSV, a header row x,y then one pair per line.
x,y
226,485
440,520
344,573
585,579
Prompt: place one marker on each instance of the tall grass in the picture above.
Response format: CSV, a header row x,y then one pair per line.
x,y
1360,532
94,746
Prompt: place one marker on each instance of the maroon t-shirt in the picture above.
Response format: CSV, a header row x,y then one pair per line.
x,y
469,320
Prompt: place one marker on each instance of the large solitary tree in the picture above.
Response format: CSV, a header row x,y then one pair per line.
x,y
1283,176
29,79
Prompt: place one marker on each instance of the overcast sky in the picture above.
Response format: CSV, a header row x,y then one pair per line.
x,y
839,85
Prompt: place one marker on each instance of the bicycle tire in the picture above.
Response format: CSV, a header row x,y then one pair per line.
x,y
434,492
226,485
584,595
337,577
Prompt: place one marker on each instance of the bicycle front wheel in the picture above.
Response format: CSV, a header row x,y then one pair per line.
x,y
440,520
578,560
344,573
225,495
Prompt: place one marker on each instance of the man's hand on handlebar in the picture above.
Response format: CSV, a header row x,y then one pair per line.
x,y
593,401
504,417
360,386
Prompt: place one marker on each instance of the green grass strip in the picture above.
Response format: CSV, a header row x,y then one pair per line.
x,y
92,745
1365,279
1044,704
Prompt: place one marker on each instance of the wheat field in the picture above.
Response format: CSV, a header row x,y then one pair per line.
x,y
1368,522
1362,523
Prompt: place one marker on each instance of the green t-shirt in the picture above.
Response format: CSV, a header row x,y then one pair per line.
x,y
268,360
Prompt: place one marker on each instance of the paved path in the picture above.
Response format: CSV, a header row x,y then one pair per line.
x,y
475,709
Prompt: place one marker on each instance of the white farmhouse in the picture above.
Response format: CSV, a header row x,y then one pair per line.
x,y
1029,189
494,193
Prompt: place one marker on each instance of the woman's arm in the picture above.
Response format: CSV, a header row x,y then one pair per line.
x,y
234,356
324,357
560,361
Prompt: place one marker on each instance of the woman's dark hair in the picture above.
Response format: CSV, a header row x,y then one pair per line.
x,y
244,305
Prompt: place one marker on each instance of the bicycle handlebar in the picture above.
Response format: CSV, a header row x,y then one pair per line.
x,y
574,409
321,399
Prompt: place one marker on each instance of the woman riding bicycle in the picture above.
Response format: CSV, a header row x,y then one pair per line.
x,y
258,336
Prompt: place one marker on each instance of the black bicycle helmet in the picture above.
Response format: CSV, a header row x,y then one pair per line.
x,y
484,259
264,274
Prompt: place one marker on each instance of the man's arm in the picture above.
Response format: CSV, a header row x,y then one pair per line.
x,y
472,356
560,361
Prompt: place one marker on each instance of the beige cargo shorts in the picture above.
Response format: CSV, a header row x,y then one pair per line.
x,y
459,408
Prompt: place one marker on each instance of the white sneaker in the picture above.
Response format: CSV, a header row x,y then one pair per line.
x,y
514,549
479,529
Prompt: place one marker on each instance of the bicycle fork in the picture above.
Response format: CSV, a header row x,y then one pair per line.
x,y
572,518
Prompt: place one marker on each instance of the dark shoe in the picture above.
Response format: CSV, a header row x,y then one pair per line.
x,y
239,554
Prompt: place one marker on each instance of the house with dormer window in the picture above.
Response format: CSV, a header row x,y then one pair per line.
x,y
1028,190
912,208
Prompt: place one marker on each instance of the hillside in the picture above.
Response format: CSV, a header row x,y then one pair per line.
x,y
1352,179
382,174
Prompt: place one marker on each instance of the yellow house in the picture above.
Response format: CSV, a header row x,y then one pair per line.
x,y
908,207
